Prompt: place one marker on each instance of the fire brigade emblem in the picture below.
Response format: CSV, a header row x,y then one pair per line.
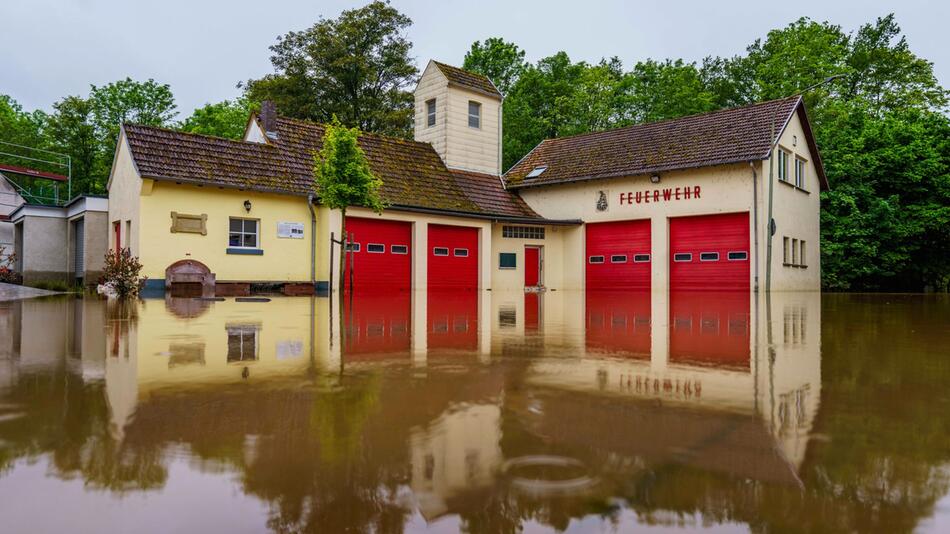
x,y
601,201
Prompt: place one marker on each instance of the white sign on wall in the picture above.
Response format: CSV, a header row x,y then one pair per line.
x,y
290,230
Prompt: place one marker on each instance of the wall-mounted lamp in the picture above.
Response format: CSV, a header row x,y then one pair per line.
x,y
655,178
247,205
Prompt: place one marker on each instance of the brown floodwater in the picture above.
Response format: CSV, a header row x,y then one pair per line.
x,y
477,412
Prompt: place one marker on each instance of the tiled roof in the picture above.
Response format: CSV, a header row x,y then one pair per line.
x,y
721,137
412,172
486,190
468,80
201,159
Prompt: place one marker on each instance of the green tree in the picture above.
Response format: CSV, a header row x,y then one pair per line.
x,y
667,89
149,103
356,67
224,119
71,132
502,62
343,177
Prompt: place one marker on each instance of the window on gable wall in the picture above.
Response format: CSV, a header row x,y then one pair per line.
x,y
474,114
785,250
430,112
800,173
783,165
801,254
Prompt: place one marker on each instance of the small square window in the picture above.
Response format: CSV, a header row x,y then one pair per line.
x,y
430,112
507,260
242,233
682,257
618,258
595,259
474,114
440,251
641,258
460,252
740,255
399,249
708,256
376,248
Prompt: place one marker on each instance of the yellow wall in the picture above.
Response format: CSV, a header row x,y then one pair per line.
x,y
283,260
552,255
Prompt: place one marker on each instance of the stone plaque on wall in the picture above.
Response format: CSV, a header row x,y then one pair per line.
x,y
189,224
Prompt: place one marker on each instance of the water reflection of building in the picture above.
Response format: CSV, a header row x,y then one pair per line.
x,y
695,353
457,453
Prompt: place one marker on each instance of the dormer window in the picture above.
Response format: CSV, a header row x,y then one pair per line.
x,y
474,114
430,112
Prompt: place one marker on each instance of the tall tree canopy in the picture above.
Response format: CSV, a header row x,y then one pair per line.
x,y
356,67
226,119
501,61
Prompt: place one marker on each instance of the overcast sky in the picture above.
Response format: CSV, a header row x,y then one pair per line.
x,y
202,48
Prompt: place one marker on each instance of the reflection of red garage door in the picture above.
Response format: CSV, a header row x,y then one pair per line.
x,y
376,324
453,257
452,320
710,328
710,252
618,255
381,253
619,322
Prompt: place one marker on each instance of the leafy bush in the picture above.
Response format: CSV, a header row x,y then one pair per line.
x,y
7,274
121,274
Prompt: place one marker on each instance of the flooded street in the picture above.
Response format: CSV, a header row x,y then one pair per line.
x,y
477,412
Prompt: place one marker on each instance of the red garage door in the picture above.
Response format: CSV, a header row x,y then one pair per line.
x,y
453,257
618,255
380,255
710,252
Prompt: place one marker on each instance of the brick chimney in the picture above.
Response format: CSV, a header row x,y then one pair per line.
x,y
268,118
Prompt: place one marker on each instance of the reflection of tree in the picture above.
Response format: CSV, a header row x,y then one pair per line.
x,y
69,421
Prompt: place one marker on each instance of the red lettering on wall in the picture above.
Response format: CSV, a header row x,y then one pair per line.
x,y
677,193
646,197
696,191
667,193
656,195
639,197
686,193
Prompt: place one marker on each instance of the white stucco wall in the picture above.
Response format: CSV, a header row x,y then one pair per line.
x,y
125,186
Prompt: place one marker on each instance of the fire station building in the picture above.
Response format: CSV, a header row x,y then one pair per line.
x,y
720,201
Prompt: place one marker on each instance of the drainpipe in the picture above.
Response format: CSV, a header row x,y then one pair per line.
x,y
313,242
755,223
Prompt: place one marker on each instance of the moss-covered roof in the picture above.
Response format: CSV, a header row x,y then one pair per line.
x,y
468,80
722,137
413,174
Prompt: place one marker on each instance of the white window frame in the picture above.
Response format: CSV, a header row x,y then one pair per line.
x,y
613,258
500,266
590,259
404,249
242,233
353,247
745,255
430,112
636,258
801,253
677,260
435,251
800,172
701,254
477,116
380,245
783,164
455,252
